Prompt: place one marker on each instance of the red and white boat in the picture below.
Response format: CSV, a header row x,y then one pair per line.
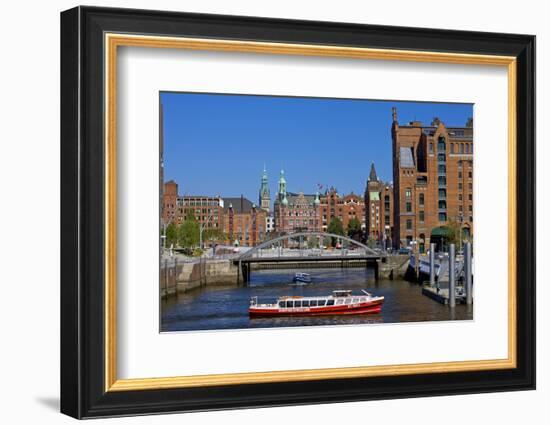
x,y
339,302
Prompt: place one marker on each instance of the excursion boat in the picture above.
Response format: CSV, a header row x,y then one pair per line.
x,y
302,278
341,302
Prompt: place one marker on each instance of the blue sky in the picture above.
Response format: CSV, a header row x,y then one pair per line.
x,y
217,144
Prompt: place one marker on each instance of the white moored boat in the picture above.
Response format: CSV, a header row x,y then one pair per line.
x,y
341,302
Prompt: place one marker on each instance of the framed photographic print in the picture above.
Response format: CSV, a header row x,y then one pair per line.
x,y
261,212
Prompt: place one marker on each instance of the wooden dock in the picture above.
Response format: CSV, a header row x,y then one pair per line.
x,y
441,296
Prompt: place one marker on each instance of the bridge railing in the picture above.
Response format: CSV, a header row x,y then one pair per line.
x,y
278,246
292,252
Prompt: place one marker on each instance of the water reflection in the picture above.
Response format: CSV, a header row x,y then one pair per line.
x,y
227,307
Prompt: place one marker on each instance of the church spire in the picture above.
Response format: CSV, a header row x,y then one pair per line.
x,y
282,185
372,176
265,198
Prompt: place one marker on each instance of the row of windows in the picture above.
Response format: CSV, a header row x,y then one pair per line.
x,y
460,165
442,217
466,148
199,203
298,222
320,303
302,214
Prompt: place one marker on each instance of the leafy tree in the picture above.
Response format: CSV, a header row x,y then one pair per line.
x,y
335,226
354,227
371,242
313,242
453,231
171,234
213,235
188,233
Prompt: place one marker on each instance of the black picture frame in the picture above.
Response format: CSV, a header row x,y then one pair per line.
x,y
83,392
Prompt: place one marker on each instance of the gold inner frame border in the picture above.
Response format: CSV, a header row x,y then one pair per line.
x,y
112,41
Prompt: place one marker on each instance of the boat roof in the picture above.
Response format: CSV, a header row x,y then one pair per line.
x,y
338,293
341,292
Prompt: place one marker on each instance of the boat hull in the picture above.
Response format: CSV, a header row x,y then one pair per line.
x,y
372,307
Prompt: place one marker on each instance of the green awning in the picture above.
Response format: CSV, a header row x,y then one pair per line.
x,y
443,231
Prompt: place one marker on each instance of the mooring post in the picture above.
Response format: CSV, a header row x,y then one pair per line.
x,y
468,271
239,272
176,275
432,264
376,270
452,293
245,274
166,275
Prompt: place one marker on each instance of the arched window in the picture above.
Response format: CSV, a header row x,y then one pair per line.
x,y
461,148
441,144
452,148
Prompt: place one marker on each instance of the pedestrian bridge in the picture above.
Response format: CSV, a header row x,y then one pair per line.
x,y
306,249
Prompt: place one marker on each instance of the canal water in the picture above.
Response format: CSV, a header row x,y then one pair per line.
x,y
226,307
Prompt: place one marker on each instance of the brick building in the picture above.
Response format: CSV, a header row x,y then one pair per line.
x,y
245,223
379,210
345,208
433,181
237,219
294,212
207,210
169,205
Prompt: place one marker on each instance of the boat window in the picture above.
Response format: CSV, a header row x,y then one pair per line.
x,y
313,303
330,302
305,303
355,300
289,304
339,301
281,304
321,303
297,303
348,300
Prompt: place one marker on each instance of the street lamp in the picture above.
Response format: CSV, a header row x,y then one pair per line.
x,y
163,236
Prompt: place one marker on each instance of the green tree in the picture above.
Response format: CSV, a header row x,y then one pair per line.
x,y
188,232
335,226
313,242
354,227
371,242
171,233
453,232
213,235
